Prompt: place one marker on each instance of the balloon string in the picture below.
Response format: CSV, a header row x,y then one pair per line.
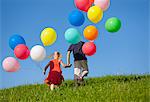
x,y
50,56
38,65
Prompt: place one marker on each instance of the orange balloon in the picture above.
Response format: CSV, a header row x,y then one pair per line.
x,y
90,32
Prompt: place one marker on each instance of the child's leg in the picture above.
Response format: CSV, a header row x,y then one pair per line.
x,y
62,78
85,69
84,73
52,86
49,86
55,86
77,72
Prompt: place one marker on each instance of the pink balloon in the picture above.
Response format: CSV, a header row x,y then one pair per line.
x,y
89,48
10,64
21,51
103,4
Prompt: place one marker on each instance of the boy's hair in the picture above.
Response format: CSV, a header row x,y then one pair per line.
x,y
59,54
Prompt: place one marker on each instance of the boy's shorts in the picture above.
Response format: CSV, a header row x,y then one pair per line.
x,y
81,64
79,68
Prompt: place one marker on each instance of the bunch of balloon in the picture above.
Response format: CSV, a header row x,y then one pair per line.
x,y
18,44
94,14
76,18
94,9
21,51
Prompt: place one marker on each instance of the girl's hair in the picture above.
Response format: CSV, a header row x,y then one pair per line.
x,y
58,53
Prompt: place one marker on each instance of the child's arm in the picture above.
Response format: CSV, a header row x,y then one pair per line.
x,y
44,71
65,65
68,57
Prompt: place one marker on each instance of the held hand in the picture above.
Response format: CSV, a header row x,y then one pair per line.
x,y
68,66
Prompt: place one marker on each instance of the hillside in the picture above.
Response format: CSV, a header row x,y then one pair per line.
x,y
132,88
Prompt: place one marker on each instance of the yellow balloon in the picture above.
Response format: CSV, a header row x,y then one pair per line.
x,y
95,14
48,36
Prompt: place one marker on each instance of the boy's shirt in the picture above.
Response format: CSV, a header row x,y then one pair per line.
x,y
77,51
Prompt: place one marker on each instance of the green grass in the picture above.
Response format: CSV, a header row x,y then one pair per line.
x,y
132,88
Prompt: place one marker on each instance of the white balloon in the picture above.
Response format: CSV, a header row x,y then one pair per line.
x,y
38,53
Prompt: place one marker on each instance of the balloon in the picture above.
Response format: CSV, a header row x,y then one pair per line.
x,y
48,36
103,4
21,51
95,14
10,64
15,40
113,24
76,18
38,53
89,48
83,5
72,35
92,1
90,32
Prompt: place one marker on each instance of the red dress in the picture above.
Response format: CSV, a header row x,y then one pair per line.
x,y
55,75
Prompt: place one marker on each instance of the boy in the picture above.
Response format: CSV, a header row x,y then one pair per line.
x,y
80,62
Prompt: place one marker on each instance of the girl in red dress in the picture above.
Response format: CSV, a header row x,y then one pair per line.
x,y
55,76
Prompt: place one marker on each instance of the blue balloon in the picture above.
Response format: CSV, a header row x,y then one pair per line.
x,y
76,18
72,35
15,40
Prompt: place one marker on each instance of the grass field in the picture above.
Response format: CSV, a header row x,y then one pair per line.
x,y
132,88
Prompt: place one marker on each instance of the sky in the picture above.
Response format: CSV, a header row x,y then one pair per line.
x,y
124,52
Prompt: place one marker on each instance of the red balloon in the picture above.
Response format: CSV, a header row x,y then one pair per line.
x,y
89,48
92,1
21,51
83,5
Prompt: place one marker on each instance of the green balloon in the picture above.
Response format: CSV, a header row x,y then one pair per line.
x,y
113,24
